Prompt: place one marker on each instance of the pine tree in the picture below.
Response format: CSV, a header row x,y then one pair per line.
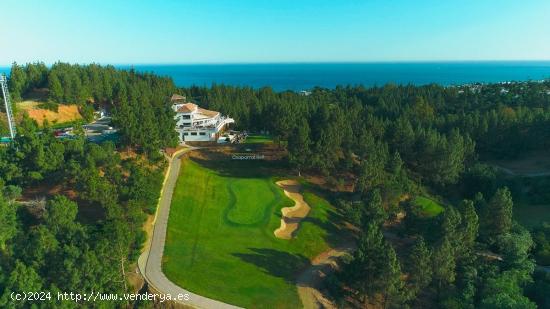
x,y
374,269
56,90
17,82
420,272
299,146
499,213
393,289
443,265
8,226
374,211
470,224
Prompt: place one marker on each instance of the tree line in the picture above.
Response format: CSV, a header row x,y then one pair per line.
x,y
138,102
436,130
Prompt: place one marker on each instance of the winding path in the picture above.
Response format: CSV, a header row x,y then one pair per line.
x,y
150,261
309,282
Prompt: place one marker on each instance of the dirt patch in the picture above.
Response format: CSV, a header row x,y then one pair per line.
x,y
87,212
46,189
170,151
228,151
65,113
346,182
135,279
292,216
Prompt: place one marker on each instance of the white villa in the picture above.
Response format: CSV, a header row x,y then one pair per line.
x,y
195,124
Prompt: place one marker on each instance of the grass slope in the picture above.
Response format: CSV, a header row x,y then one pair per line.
x,y
429,208
258,139
220,240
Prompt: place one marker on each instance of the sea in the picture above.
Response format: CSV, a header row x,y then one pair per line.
x,y
305,76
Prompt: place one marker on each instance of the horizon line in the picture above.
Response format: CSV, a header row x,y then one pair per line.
x,y
284,62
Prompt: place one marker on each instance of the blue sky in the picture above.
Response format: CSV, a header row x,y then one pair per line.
x,y
248,31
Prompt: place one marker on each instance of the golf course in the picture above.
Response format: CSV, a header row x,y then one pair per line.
x,y
220,239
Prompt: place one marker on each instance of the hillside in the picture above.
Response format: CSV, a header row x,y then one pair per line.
x,y
66,113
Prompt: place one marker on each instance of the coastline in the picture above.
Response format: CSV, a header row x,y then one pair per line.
x,y
306,76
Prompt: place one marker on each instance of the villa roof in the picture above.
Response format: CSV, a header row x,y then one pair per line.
x,y
207,112
192,107
187,108
177,97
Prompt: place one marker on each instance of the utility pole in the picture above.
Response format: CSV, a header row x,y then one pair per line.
x,y
7,102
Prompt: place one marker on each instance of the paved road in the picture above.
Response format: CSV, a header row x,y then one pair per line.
x,y
150,261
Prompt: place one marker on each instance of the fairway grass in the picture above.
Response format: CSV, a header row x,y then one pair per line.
x,y
243,209
258,139
220,241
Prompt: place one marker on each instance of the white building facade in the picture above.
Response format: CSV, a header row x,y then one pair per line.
x,y
195,124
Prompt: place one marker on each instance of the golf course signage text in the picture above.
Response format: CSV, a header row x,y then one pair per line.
x,y
247,156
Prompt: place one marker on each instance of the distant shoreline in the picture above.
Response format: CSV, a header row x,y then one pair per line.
x,y
305,76
122,64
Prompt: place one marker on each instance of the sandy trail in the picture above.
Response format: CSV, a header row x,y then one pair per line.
x,y
292,216
310,281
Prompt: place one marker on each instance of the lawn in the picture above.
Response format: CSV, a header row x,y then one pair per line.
x,y
258,139
428,207
220,240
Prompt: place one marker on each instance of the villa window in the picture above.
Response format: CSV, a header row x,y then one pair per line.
x,y
202,133
186,116
193,133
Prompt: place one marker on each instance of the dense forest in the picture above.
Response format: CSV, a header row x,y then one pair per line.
x,y
87,234
136,101
390,142
43,246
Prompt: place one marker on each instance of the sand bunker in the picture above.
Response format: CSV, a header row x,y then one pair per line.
x,y
291,215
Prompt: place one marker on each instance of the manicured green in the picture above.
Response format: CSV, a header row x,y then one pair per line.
x,y
246,210
258,139
220,240
428,207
